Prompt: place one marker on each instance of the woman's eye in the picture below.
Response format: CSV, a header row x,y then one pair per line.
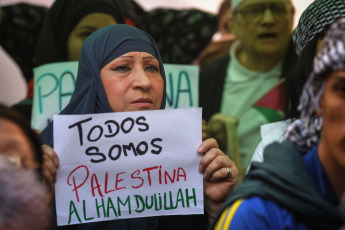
x,y
84,35
151,68
122,68
341,88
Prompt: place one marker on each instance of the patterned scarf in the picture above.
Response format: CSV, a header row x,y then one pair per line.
x,y
306,131
315,19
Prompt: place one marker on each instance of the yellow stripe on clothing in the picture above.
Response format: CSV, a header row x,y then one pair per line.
x,y
227,215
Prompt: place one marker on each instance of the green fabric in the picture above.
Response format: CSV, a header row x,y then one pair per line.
x,y
271,115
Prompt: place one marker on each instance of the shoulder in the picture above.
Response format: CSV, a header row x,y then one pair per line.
x,y
223,60
256,213
217,64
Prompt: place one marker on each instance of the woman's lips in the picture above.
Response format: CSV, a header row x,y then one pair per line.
x,y
142,102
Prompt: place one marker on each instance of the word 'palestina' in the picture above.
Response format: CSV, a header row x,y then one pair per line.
x,y
111,129
80,179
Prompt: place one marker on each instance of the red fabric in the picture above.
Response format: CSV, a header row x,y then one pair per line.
x,y
274,99
30,92
130,22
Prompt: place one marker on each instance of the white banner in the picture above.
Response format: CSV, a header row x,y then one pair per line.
x,y
126,165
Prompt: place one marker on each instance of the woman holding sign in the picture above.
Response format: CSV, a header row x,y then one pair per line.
x,y
120,69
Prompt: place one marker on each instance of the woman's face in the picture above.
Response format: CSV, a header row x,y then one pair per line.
x,y
15,145
86,26
332,111
133,82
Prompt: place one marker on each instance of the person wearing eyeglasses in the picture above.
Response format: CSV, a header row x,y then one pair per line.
x,y
247,84
300,188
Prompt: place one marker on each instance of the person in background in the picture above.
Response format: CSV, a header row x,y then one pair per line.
x,y
13,88
180,34
120,69
308,38
221,39
20,26
67,24
297,188
247,85
18,141
24,199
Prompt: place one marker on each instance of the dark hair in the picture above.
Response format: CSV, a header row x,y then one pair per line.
x,y
297,77
14,116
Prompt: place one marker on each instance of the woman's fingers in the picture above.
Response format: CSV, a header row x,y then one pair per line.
x,y
214,164
50,164
207,145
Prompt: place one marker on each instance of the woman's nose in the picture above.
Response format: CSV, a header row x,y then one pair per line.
x,y
141,79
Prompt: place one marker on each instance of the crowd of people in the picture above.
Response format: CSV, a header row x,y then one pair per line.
x,y
272,154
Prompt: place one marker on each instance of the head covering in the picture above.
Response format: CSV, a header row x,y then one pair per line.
x,y
61,19
315,19
99,49
306,131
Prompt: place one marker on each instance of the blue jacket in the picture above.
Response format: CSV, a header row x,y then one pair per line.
x,y
286,191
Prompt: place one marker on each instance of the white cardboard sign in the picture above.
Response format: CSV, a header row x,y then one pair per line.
x,y
127,165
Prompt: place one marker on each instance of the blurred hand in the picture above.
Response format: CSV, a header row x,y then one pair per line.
x,y
50,165
204,130
216,129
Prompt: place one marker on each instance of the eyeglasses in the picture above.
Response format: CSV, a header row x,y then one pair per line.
x,y
254,13
17,162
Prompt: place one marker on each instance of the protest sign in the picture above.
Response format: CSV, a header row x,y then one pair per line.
x,y
54,84
182,86
127,165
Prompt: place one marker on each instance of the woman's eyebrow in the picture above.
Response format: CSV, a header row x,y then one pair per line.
x,y
86,27
128,56
149,58
340,78
125,56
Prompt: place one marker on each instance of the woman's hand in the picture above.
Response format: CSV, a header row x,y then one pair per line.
x,y
50,164
220,175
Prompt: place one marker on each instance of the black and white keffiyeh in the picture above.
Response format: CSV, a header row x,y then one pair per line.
x,y
315,19
306,131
